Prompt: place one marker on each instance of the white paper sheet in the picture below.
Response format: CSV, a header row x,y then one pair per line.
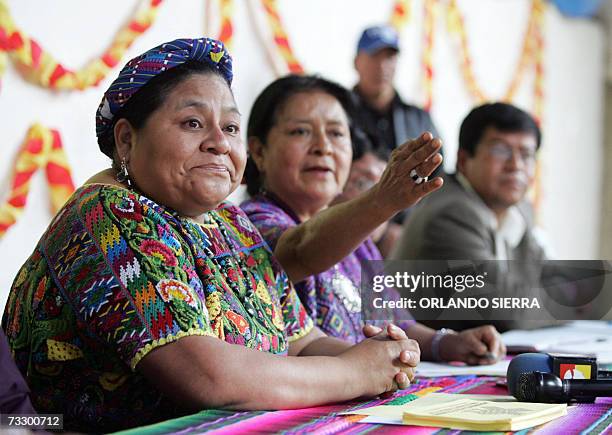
x,y
584,337
430,369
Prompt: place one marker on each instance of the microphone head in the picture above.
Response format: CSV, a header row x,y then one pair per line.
x,y
528,387
526,363
540,387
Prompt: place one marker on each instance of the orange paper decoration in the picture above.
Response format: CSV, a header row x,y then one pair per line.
x,y
400,14
226,34
428,45
456,26
280,37
40,67
42,148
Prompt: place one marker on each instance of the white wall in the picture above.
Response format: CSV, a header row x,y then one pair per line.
x,y
324,35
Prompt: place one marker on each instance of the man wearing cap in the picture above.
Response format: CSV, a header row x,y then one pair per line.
x,y
387,119
382,112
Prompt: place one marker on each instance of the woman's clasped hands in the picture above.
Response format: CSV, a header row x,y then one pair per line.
x,y
388,359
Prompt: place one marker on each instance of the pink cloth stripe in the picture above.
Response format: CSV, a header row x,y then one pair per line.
x,y
278,420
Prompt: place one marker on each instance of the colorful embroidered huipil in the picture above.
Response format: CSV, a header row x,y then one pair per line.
x,y
117,275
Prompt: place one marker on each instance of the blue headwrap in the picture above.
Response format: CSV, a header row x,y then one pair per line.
x,y
138,71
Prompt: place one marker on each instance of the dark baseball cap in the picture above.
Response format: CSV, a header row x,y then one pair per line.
x,y
378,37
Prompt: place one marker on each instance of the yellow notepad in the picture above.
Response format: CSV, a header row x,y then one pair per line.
x,y
468,414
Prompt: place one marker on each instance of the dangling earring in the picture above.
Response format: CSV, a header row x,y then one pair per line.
x,y
123,175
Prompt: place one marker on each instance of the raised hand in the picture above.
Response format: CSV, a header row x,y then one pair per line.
x,y
396,189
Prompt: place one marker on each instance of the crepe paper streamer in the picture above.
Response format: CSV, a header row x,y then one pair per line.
x,y
456,26
532,55
280,37
226,33
40,67
400,14
278,65
42,148
538,38
430,7
538,93
3,62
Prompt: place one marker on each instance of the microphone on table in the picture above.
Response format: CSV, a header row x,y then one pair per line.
x,y
548,388
561,365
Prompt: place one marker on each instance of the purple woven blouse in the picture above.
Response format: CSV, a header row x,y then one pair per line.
x,y
332,297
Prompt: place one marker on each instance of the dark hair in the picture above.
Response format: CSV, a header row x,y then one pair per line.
x,y
151,96
366,143
503,117
270,103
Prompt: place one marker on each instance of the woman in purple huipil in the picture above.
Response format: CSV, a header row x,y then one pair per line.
x,y
300,157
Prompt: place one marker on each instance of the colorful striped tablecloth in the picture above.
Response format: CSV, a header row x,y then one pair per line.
x,y
595,418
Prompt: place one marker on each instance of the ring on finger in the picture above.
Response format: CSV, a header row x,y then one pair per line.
x,y
416,178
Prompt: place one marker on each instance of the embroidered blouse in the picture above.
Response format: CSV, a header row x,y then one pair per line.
x,y
117,275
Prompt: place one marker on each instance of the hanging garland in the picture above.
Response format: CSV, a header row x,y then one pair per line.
x,y
529,49
400,14
280,37
532,54
273,60
538,41
428,68
226,34
456,27
538,94
3,58
42,148
40,67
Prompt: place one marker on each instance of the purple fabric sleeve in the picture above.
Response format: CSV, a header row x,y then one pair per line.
x,y
14,392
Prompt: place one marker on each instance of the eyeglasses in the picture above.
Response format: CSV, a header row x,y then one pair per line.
x,y
503,152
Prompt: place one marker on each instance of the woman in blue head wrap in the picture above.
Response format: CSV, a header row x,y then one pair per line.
x,y
149,296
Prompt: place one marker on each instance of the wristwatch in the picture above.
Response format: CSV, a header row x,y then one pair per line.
x,y
435,342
